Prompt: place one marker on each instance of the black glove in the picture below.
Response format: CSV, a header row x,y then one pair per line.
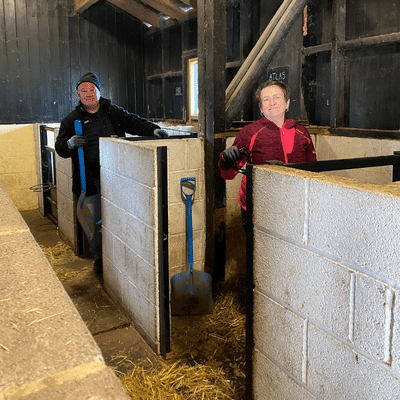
x,y
231,155
160,134
77,141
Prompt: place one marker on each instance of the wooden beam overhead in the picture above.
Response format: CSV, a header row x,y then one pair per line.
x,y
166,7
260,56
82,5
191,3
138,10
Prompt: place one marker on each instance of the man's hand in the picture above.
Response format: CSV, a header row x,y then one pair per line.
x,y
160,134
77,141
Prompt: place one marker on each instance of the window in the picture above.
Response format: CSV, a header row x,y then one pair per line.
x,y
193,89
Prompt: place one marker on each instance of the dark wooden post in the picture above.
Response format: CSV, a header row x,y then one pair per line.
x,y
211,20
337,64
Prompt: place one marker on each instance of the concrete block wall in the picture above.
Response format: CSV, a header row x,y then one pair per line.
x,y
326,309
129,218
65,201
46,350
18,164
331,147
328,147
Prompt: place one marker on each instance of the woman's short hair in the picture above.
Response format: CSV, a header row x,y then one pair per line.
x,y
285,88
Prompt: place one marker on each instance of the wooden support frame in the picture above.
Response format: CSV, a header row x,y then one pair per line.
x,y
261,55
211,25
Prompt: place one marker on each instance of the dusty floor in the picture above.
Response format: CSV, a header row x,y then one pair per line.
x,y
216,340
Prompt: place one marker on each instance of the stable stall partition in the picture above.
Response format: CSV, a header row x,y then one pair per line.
x,y
325,267
144,226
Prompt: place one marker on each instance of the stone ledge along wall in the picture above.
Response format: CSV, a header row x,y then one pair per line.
x,y
46,350
326,274
129,222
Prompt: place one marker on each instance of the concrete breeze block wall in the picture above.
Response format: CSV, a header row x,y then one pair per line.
x,y
326,308
65,200
18,164
331,147
129,216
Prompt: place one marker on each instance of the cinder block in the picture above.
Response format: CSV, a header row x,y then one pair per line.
x,y
64,184
140,238
140,201
336,372
114,219
369,316
65,206
272,383
278,334
138,163
177,153
310,284
110,154
66,229
142,309
107,243
357,223
108,181
113,280
176,218
63,165
195,153
279,202
395,335
177,250
141,274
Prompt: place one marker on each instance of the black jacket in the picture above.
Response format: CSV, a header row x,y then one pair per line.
x,y
109,120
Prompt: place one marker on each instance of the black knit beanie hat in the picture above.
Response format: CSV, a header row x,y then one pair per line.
x,y
89,77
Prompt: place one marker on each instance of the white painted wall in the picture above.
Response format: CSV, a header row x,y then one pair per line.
x,y
326,309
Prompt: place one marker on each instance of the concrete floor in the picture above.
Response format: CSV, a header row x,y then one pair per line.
x,y
119,342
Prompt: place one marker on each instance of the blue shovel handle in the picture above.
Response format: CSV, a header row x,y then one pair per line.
x,y
189,216
79,131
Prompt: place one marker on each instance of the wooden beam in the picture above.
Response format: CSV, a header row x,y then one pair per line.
x,y
211,48
337,101
82,5
261,55
166,7
371,41
138,10
191,3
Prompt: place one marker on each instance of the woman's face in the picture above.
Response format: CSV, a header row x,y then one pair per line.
x,y
273,104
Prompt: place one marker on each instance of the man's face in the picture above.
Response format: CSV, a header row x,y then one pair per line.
x,y
273,103
88,94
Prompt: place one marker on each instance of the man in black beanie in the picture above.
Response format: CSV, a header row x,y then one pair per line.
x,y
100,118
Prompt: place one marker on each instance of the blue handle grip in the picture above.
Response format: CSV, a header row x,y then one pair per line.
x,y
79,131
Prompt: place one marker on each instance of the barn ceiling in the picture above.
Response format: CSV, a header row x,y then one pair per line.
x,y
155,13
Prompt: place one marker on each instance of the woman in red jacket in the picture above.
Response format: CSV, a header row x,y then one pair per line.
x,y
272,137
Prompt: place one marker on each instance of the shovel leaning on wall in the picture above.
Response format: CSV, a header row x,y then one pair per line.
x,y
85,218
191,290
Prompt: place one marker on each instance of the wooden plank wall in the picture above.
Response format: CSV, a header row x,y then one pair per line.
x,y
45,49
352,79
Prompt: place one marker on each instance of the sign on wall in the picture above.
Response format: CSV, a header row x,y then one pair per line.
x,y
279,74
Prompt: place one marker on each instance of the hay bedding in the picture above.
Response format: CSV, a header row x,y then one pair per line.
x,y
207,358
